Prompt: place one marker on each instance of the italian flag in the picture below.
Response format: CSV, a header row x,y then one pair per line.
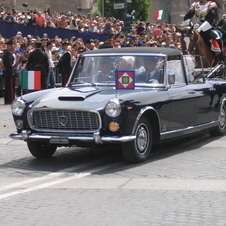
x,y
31,80
160,15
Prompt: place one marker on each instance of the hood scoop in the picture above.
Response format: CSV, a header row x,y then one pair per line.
x,y
72,98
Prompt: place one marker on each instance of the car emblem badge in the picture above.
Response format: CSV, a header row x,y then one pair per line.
x,y
63,120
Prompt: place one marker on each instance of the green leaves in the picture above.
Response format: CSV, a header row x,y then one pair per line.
x,y
141,8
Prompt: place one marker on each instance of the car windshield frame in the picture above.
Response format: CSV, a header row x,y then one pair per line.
x,y
87,69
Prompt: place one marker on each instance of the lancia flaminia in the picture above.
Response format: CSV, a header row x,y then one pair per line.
x,y
131,98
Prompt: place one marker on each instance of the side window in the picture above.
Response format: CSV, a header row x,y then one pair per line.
x,y
194,69
174,69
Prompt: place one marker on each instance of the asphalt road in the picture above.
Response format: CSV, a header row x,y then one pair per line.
x,y
182,183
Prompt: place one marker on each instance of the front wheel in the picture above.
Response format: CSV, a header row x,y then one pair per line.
x,y
41,150
139,149
221,126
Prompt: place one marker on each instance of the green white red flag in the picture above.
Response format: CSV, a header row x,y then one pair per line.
x,y
31,80
160,15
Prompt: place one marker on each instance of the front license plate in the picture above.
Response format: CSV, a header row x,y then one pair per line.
x,y
58,140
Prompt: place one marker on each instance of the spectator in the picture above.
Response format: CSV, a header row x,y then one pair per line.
x,y
47,10
157,30
51,74
107,27
140,28
63,22
32,19
2,15
49,22
88,44
21,56
40,19
10,17
73,22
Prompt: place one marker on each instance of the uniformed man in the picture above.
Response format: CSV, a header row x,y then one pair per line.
x,y
38,61
206,13
64,64
9,72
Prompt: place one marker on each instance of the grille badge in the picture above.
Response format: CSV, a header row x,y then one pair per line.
x,y
63,120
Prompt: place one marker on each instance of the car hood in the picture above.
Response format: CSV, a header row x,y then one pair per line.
x,y
84,98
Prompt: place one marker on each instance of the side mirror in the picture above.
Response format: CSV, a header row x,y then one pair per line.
x,y
171,78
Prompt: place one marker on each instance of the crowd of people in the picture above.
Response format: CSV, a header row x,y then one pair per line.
x,y
141,34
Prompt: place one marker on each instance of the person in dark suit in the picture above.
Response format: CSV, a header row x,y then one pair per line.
x,y
9,72
105,74
64,64
38,61
152,67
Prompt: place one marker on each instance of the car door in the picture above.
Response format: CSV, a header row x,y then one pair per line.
x,y
182,98
206,94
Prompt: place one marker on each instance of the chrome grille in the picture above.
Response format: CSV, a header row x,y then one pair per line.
x,y
64,120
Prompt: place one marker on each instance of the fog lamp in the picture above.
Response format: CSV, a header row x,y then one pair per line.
x,y
113,126
19,124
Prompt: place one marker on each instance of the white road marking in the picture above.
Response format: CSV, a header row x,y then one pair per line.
x,y
50,176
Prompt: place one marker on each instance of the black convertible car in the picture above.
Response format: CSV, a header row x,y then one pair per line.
x,y
129,97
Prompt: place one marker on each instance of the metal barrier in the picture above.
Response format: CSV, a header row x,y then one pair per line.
x,y
58,77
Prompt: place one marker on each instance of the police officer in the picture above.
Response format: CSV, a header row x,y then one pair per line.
x,y
38,61
9,72
64,64
206,13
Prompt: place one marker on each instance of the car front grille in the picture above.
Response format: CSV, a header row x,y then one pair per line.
x,y
64,120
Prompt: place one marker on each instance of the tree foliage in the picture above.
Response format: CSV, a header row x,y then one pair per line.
x,y
141,8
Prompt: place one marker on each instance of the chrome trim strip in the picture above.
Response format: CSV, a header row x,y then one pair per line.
x,y
124,54
188,128
95,138
118,139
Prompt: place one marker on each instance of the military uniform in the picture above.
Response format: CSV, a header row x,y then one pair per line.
x,y
9,72
64,65
206,14
38,61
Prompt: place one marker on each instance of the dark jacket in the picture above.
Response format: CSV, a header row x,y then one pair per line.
x,y
64,64
8,62
38,61
144,77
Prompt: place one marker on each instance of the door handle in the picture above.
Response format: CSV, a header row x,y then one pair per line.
x,y
191,92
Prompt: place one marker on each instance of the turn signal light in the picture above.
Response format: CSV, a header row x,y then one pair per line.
x,y
113,126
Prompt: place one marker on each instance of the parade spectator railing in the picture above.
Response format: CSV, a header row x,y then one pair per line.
x,y
58,78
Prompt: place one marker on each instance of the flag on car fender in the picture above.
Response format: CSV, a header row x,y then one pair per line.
x,y
31,80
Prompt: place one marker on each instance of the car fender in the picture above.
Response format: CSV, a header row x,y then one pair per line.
x,y
154,119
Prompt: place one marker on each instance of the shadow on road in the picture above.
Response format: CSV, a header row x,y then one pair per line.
x,y
65,158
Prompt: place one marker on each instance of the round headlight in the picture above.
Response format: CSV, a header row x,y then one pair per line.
x,y
113,108
17,107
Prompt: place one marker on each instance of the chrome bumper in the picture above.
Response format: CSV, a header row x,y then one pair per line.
x,y
96,138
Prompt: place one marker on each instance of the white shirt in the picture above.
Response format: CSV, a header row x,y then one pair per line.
x,y
50,58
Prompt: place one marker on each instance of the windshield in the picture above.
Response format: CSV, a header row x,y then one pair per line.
x,y
106,70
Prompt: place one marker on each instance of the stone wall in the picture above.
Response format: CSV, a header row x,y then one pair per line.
x,y
176,9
